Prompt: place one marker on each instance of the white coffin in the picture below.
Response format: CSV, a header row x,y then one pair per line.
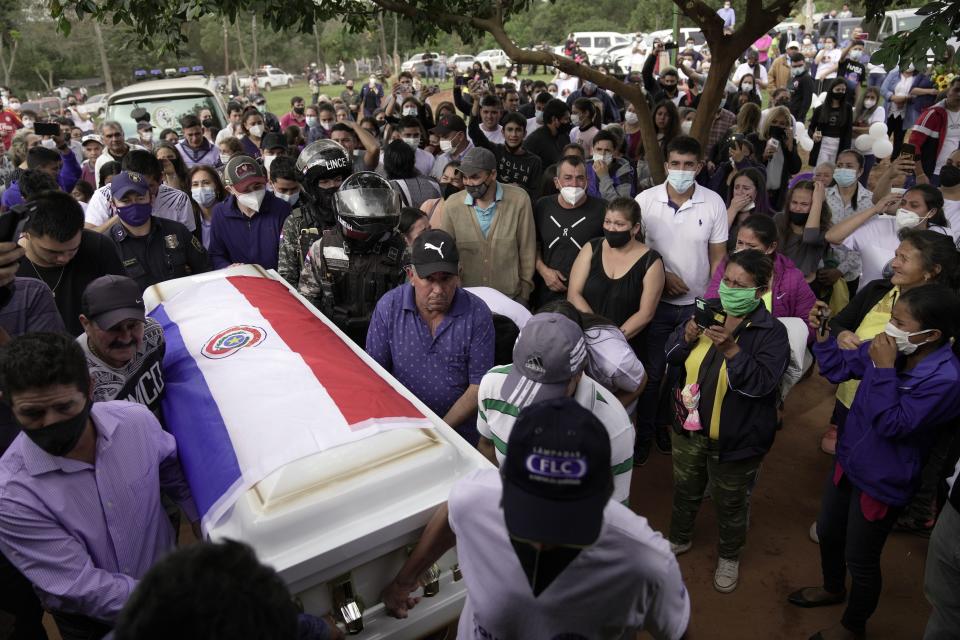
x,y
352,510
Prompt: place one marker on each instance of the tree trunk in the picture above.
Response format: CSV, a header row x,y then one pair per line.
x,y
396,56
383,41
226,48
316,42
7,65
253,39
104,60
243,55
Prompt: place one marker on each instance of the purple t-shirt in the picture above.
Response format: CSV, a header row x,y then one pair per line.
x,y
435,368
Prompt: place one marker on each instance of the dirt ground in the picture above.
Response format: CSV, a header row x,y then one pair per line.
x,y
779,556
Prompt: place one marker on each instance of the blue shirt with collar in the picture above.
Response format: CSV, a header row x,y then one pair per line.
x,y
436,368
256,240
485,215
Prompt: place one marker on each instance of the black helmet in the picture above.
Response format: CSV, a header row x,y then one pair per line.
x,y
367,208
323,160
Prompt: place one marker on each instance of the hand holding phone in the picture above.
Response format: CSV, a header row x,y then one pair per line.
x,y
705,315
824,328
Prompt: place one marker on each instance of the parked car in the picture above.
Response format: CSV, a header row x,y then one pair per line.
x,y
460,63
594,42
273,77
617,55
95,105
497,58
166,101
44,106
415,62
838,28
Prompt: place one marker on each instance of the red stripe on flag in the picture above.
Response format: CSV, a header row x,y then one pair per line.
x,y
359,392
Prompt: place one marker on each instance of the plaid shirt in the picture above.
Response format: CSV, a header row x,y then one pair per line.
x,y
719,127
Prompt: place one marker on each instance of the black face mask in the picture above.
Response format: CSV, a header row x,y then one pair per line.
x,y
477,191
59,438
565,128
668,89
778,132
949,175
325,199
299,110
838,96
617,239
449,189
799,219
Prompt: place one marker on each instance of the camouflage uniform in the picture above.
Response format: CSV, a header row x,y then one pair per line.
x,y
301,229
346,286
695,464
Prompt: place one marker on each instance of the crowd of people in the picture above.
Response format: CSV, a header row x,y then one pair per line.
x,y
509,257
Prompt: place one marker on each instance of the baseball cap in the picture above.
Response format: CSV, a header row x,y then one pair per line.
x,y
144,126
477,159
91,137
273,141
556,476
435,251
241,171
449,124
793,44
112,299
127,181
549,351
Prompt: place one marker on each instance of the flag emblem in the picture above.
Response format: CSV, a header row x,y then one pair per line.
x,y
229,341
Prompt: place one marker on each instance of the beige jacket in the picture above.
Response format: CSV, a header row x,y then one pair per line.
x,y
505,258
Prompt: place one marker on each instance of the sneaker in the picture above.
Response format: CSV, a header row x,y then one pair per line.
x,y
680,549
641,452
813,533
828,442
727,575
662,436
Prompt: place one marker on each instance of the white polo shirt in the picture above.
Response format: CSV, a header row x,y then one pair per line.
x,y
497,415
170,203
624,582
682,236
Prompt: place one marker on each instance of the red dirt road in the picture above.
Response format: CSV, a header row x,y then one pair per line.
x,y
779,556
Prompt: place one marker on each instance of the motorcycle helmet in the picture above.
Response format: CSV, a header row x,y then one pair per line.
x,y
367,209
323,160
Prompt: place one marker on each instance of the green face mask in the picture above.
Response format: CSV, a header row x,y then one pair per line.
x,y
738,302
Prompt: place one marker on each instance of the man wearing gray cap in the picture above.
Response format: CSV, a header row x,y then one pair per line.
x,y
492,224
548,362
124,348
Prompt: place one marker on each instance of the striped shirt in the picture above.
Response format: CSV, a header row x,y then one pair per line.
x,y
497,415
170,203
83,534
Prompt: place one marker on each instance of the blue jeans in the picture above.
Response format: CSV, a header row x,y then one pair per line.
x,y
850,542
654,358
941,580
875,79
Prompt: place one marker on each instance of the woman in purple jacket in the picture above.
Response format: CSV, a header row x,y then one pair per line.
x,y
789,295
909,376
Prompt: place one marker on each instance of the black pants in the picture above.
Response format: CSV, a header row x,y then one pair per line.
x,y
849,542
895,128
76,627
18,599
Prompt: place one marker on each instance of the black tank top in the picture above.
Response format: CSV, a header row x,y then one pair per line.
x,y
615,299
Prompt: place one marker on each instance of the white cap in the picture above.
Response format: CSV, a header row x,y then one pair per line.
x,y
793,43
91,137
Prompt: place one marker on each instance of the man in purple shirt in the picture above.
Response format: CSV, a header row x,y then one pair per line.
x,y
433,336
80,511
245,228
195,148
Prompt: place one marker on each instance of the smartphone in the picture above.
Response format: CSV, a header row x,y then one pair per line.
x,y
670,45
458,81
908,152
773,143
705,315
46,128
824,322
11,226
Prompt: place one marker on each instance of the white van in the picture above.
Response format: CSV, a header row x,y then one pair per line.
x,y
593,42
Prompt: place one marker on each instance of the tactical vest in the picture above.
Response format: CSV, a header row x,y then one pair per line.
x,y
352,283
174,256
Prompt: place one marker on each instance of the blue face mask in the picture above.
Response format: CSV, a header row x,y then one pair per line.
x,y
845,177
205,196
680,180
135,214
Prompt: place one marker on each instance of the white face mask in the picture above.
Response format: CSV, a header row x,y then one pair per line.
x,y
289,198
681,180
205,196
326,124
28,123
256,130
575,119
605,158
630,117
747,87
224,158
907,219
413,142
253,199
15,106
312,121
686,126
49,143
902,338
146,136
571,195
267,161
410,111
855,54
446,145
538,116
869,103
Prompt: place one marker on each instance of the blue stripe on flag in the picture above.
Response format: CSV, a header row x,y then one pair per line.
x,y
191,415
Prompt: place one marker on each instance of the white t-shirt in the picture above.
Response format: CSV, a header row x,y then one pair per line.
x,y
495,136
502,305
682,237
171,204
745,69
876,241
951,209
902,88
106,157
497,415
827,67
951,140
532,125
624,582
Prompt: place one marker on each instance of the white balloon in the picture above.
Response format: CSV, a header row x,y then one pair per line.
x,y
882,148
878,130
806,143
864,143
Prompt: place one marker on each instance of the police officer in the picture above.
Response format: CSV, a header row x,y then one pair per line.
x,y
323,165
353,264
152,249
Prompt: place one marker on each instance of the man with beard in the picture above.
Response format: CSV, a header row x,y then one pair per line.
x,y
324,166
